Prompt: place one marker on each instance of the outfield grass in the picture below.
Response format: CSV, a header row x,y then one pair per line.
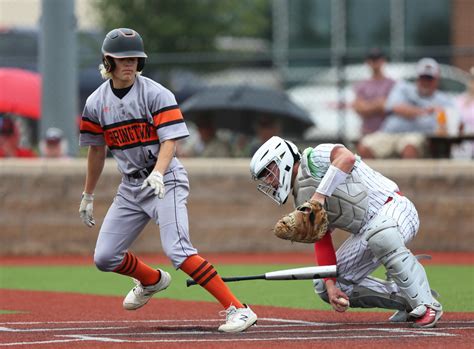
x,y
453,282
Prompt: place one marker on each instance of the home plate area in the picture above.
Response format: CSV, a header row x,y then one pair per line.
x,y
282,332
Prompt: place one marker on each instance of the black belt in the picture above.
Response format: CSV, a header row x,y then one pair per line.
x,y
143,173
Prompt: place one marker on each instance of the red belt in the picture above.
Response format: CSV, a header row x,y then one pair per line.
x,y
390,198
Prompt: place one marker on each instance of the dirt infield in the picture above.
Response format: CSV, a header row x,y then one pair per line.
x,y
68,320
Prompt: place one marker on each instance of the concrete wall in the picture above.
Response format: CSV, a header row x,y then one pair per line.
x,y
39,202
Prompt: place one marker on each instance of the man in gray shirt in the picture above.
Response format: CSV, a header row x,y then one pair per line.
x,y
413,109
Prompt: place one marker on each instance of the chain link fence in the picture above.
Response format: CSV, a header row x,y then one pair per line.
x,y
321,81
325,91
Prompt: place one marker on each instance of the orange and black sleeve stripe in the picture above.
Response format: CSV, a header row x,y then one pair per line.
x,y
89,126
167,116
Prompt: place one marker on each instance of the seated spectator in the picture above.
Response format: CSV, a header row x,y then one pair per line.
x,y
53,145
265,128
413,109
240,145
371,94
465,106
208,144
10,140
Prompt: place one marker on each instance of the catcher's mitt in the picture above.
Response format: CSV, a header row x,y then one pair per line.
x,y
308,223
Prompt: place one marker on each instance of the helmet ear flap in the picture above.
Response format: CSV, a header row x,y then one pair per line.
x,y
109,63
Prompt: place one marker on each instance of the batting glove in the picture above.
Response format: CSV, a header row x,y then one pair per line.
x,y
155,181
86,208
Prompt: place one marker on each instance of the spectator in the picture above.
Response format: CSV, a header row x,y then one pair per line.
x,y
465,106
372,93
10,140
53,145
413,109
209,143
265,128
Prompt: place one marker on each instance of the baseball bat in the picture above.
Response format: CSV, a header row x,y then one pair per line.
x,y
306,273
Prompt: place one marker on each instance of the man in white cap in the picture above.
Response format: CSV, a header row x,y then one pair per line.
x,y
413,109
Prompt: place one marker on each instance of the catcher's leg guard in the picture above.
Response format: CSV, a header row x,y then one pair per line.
x,y
364,297
385,242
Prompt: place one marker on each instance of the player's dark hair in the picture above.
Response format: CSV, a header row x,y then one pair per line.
x,y
109,63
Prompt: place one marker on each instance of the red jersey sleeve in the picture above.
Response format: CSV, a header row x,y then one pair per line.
x,y
325,253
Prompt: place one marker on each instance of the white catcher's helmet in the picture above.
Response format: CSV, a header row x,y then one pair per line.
x,y
277,183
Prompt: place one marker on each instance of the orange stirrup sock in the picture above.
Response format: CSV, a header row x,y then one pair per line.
x,y
132,266
205,275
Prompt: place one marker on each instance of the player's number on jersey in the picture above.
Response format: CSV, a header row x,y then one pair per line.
x,y
151,156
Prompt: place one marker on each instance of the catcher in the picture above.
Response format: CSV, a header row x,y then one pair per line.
x,y
333,188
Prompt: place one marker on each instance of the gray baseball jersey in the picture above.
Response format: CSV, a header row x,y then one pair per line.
x,y
133,128
354,259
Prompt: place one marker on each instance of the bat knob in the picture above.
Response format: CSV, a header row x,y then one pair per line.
x,y
190,282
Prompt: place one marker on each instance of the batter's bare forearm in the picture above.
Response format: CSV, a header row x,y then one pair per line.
x,y
95,165
165,155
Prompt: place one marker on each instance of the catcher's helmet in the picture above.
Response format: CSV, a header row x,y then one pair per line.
x,y
284,153
123,43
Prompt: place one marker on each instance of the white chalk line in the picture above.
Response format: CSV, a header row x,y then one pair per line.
x,y
257,331
41,342
242,338
76,338
106,337
281,320
7,329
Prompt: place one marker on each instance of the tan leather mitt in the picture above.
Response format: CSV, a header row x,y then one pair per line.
x,y
308,223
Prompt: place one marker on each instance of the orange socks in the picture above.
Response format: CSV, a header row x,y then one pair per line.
x,y
205,275
132,266
195,266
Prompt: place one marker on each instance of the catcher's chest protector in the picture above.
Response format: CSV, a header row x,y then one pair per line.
x,y
347,206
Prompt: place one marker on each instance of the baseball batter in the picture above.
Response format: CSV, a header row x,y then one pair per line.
x,y
139,121
367,205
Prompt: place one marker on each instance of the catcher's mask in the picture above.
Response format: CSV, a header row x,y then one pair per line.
x,y
122,43
272,166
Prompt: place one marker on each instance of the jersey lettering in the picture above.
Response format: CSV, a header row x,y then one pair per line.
x,y
130,134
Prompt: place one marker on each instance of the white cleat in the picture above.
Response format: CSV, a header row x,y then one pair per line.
x,y
238,319
140,295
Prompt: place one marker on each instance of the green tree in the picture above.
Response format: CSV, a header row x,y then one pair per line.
x,y
187,25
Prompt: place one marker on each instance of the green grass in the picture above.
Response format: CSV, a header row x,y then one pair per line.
x,y
2,312
453,282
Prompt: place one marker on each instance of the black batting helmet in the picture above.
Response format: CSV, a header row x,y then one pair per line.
x,y
123,43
